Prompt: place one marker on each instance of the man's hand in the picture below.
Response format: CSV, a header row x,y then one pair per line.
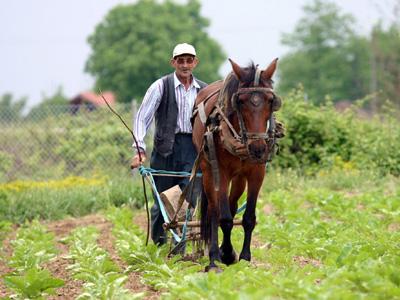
x,y
135,163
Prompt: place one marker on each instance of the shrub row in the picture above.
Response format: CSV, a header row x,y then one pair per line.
x,y
320,136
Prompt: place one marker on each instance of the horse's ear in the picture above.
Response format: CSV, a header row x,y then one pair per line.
x,y
269,71
239,72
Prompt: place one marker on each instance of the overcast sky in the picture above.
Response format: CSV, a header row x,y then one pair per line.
x,y
43,42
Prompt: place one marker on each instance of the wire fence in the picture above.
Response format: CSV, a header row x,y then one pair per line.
x,y
60,141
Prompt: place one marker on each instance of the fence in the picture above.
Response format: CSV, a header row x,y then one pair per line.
x,y
58,141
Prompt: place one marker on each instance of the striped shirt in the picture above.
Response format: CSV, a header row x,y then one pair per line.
x,y
151,101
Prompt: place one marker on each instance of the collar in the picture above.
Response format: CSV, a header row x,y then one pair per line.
x,y
177,82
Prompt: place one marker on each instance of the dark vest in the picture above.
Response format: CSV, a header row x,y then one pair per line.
x,y
166,117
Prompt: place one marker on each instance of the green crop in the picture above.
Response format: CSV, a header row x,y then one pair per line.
x,y
33,284
32,247
313,242
102,278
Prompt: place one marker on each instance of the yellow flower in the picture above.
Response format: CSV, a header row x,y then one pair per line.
x,y
68,182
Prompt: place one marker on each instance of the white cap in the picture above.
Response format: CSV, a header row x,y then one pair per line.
x,y
184,48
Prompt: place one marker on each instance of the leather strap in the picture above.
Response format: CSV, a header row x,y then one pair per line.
x,y
202,113
212,157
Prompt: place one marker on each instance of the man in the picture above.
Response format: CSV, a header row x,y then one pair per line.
x,y
170,101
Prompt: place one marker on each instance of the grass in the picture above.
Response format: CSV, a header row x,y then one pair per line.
x,y
21,201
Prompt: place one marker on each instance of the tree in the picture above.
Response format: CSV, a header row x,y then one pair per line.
x,y
326,56
385,64
132,46
11,110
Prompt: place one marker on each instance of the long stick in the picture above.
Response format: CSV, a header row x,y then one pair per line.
x,y
140,159
123,122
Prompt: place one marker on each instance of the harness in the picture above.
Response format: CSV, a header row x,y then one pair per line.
x,y
237,143
256,100
244,137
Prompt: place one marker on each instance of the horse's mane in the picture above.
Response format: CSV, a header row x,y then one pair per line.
x,y
231,85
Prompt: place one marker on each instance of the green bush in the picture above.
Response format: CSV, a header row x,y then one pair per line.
x,y
319,136
57,144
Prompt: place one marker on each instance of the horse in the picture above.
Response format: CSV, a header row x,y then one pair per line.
x,y
233,132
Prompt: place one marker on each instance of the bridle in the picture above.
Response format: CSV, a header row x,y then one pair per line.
x,y
256,100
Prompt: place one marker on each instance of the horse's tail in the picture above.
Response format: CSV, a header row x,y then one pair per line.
x,y
205,229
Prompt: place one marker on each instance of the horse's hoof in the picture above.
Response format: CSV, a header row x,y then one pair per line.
x,y
229,258
215,269
245,257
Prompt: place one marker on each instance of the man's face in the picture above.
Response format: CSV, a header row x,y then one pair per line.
x,y
184,65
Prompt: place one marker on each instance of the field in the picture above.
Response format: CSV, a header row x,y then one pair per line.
x,y
328,214
332,235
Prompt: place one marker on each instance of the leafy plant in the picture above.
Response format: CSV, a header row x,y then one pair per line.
x,y
102,277
33,246
5,228
312,242
33,284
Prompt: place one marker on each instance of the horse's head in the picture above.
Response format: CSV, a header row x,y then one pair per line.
x,y
254,102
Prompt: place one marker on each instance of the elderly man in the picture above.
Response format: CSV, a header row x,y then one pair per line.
x,y
170,101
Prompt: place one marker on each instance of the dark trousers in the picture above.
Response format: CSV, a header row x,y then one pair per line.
x,y
182,159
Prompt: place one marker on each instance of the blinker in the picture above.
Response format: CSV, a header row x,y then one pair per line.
x,y
276,103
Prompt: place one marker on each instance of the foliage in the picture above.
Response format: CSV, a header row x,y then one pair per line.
x,y
327,57
132,46
32,247
5,164
319,136
68,182
334,235
87,147
343,241
33,284
102,277
56,105
385,45
20,201
5,228
56,145
158,272
11,110
312,243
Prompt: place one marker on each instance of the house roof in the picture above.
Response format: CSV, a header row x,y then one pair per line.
x,y
94,98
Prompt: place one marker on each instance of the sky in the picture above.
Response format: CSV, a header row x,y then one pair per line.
x,y
43,43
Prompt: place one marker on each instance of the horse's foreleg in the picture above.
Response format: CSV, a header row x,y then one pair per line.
x,y
237,188
212,218
228,255
214,250
228,210
249,217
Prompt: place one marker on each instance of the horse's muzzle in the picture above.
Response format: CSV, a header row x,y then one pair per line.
x,y
258,151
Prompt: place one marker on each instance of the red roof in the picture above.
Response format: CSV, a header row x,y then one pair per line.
x,y
94,98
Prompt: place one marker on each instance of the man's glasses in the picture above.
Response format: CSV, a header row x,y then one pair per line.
x,y
182,60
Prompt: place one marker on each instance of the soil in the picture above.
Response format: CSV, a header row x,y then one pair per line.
x,y
58,266
5,252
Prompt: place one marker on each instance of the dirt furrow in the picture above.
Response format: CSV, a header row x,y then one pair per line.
x,y
5,254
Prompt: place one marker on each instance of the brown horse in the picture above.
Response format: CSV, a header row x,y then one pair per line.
x,y
232,135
